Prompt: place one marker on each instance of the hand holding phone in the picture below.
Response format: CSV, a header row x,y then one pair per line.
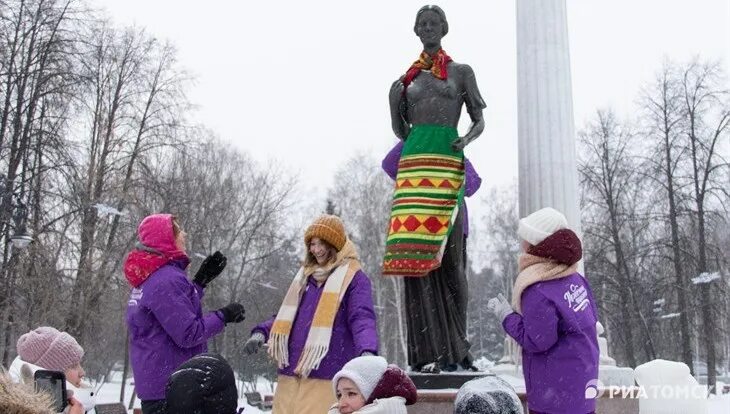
x,y
54,383
75,406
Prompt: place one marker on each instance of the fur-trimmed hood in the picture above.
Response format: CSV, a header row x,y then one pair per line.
x,y
18,398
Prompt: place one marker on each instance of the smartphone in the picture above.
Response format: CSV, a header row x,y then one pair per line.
x,y
54,383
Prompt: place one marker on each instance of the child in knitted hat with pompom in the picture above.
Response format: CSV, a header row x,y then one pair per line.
x,y
552,316
368,385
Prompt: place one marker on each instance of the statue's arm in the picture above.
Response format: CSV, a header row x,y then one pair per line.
x,y
401,128
474,106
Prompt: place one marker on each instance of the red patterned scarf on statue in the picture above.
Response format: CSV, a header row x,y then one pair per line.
x,y
436,64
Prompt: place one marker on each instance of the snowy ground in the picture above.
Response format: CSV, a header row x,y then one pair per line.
x,y
720,404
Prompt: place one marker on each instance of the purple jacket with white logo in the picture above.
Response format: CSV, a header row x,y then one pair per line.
x,y
166,327
557,332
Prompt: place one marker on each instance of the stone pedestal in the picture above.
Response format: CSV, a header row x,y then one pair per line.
x,y
444,380
628,405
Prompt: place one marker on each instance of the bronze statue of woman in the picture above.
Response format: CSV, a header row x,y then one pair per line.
x,y
425,241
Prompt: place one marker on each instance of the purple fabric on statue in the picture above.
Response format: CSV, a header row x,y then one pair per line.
x,y
557,333
166,327
472,180
353,332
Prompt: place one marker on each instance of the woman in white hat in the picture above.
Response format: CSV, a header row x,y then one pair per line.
x,y
368,385
552,316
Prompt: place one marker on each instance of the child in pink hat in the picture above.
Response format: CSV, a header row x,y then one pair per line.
x,y
53,350
48,348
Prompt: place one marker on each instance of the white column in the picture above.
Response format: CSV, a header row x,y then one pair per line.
x,y
548,174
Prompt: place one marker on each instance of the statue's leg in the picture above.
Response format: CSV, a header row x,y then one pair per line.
x,y
436,310
453,266
423,345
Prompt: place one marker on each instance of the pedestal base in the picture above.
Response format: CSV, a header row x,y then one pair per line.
x,y
444,380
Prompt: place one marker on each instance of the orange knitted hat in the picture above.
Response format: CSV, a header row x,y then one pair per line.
x,y
328,228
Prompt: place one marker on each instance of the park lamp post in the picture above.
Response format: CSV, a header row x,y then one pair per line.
x,y
20,239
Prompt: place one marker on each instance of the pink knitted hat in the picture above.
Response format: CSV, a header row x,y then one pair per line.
x,y
50,349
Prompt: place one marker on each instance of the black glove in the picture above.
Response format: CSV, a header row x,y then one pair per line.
x,y
212,266
233,313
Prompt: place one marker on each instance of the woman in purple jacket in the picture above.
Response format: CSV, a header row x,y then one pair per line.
x,y
552,317
164,313
326,319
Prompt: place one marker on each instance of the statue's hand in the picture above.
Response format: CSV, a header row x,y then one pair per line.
x,y
396,92
459,144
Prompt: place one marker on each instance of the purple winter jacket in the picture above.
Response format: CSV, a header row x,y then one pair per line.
x,y
353,331
166,327
472,180
557,332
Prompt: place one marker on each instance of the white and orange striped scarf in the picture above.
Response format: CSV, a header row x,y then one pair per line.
x,y
341,272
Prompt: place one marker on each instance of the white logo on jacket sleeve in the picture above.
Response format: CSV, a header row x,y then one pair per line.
x,y
577,298
134,297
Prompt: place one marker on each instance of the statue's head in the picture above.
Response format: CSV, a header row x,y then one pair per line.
x,y
431,24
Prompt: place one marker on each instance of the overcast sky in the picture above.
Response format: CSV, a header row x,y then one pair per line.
x,y
292,81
